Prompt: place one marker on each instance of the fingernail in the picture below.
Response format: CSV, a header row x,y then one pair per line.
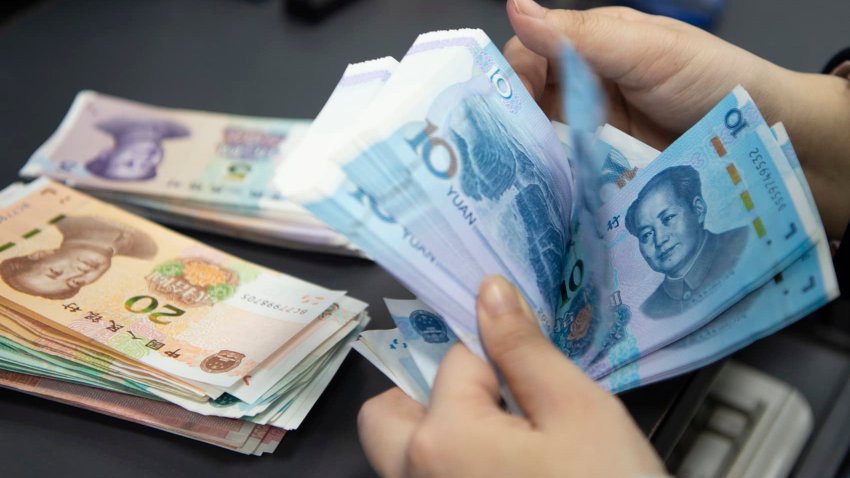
x,y
530,8
498,296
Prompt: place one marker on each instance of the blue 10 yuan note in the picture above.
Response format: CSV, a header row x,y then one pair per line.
x,y
425,333
711,219
460,141
585,321
804,286
352,211
388,351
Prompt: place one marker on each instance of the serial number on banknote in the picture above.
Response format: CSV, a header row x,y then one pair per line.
x,y
767,179
272,305
14,211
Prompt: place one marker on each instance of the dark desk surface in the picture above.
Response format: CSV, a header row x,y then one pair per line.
x,y
242,57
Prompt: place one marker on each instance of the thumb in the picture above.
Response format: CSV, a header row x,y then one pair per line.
x,y
615,41
547,386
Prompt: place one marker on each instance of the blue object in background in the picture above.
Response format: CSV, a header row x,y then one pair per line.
x,y
701,13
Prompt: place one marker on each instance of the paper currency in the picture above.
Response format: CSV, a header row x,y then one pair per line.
x,y
238,435
590,317
798,290
421,155
354,212
802,287
173,303
119,145
744,223
94,296
193,169
388,351
639,265
451,172
426,334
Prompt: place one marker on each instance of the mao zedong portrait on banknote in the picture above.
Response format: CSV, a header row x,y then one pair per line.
x,y
137,150
668,219
85,254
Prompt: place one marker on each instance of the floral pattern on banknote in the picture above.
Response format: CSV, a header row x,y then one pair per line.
x,y
625,351
627,377
250,144
193,282
247,272
574,332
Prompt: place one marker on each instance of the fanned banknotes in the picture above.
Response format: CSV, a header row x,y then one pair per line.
x,y
97,297
800,289
449,172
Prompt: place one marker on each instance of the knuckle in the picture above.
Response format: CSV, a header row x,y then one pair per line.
x,y
630,12
369,409
423,450
374,409
670,41
626,13
585,21
555,16
558,19
586,399
575,23
580,26
513,345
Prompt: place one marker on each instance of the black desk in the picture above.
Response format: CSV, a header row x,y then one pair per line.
x,y
241,57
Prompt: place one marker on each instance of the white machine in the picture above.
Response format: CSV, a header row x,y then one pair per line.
x,y
751,425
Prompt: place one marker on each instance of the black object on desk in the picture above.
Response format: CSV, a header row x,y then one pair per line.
x,y
314,10
243,58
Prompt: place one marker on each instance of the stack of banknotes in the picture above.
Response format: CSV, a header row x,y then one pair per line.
x,y
638,264
110,312
192,169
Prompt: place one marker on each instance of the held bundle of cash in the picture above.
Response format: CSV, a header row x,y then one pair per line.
x,y
110,312
639,265
192,169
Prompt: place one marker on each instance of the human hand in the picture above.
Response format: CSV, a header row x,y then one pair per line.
x,y
571,427
662,75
